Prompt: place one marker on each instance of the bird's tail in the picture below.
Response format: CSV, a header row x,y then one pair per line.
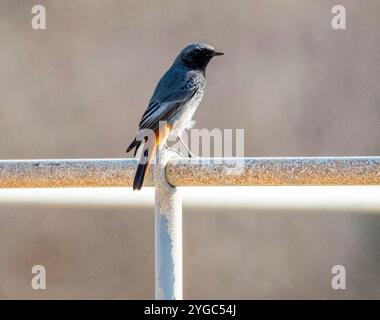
x,y
150,147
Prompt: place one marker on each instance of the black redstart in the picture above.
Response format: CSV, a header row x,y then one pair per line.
x,y
173,104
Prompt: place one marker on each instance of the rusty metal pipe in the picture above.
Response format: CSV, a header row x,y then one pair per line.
x,y
193,172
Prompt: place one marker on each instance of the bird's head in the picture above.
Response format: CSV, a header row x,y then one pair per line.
x,y
197,56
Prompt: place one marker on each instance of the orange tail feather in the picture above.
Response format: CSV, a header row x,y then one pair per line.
x,y
161,135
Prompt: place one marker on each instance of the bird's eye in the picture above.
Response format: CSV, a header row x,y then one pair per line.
x,y
197,53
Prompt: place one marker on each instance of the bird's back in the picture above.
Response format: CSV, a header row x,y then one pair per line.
x,y
177,87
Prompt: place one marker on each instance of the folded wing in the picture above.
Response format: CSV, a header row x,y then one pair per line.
x,y
172,93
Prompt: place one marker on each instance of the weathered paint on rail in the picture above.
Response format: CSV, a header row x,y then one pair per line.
x,y
193,172
68,173
274,171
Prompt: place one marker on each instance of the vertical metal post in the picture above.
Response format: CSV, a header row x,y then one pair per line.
x,y
168,232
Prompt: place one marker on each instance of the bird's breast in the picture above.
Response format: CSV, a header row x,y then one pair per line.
x,y
184,116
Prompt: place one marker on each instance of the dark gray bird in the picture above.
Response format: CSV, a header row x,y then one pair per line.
x,y
173,104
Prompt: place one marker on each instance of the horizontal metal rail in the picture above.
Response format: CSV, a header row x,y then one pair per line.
x,y
353,199
193,172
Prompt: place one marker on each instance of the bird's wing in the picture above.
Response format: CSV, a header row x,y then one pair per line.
x,y
172,93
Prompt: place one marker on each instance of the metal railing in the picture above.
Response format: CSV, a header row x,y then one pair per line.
x,y
306,199
170,172
193,172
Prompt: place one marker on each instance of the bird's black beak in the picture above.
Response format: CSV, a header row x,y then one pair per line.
x,y
218,54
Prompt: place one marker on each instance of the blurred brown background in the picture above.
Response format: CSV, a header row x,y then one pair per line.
x,y
297,87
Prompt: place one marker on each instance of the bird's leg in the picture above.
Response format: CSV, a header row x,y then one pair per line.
x,y
191,155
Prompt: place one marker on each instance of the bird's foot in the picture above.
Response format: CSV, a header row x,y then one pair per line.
x,y
192,155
